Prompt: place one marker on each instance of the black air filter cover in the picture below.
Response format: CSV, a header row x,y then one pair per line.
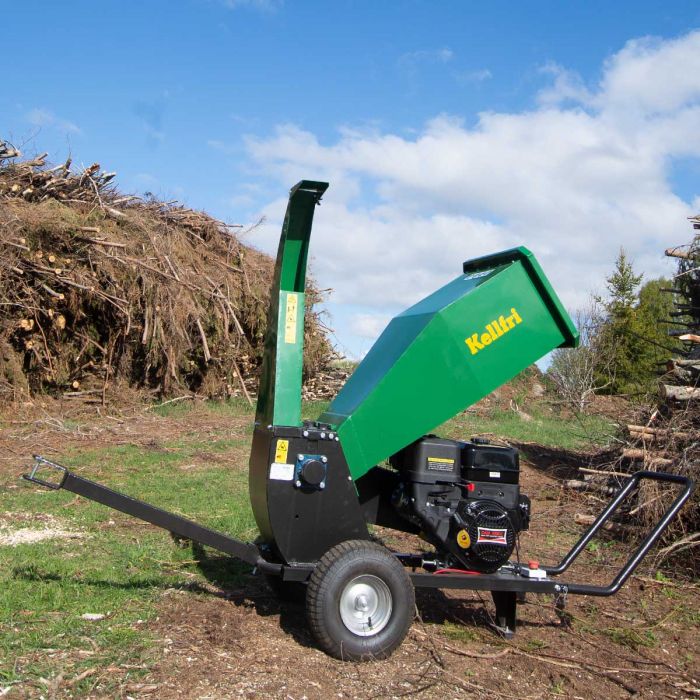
x,y
490,463
430,460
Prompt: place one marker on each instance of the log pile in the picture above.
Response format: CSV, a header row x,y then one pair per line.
x,y
100,290
670,438
324,385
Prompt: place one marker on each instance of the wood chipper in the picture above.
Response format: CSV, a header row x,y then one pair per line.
x,y
317,487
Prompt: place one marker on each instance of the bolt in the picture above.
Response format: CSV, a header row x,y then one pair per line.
x,y
300,457
322,485
305,433
337,439
349,478
331,436
324,459
557,588
323,436
297,483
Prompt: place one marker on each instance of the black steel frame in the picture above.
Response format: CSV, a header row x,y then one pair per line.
x,y
176,524
504,585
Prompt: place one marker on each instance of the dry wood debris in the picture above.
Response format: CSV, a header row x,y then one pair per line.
x,y
670,439
100,289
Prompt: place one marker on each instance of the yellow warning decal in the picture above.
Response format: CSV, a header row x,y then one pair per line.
x,y
463,539
290,319
281,451
441,464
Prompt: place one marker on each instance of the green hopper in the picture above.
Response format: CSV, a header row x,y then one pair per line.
x,y
447,352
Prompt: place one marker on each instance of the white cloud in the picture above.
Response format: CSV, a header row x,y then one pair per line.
x,y
411,60
652,75
473,76
567,85
584,172
368,325
44,117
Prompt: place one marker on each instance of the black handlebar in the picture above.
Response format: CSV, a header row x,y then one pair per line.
x,y
644,547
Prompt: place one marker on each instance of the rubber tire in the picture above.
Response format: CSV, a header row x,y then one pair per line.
x,y
287,591
334,571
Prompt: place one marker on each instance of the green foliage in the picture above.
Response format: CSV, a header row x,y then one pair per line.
x,y
622,285
655,306
636,341
619,330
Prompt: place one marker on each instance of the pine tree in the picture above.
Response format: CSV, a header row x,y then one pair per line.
x,y
622,285
634,339
620,336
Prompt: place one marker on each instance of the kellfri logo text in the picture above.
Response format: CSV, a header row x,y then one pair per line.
x,y
494,331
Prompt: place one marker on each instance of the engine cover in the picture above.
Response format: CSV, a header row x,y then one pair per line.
x,y
483,530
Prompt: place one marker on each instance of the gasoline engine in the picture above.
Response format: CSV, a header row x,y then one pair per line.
x,y
465,497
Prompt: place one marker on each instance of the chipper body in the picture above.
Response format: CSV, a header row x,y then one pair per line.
x,y
318,486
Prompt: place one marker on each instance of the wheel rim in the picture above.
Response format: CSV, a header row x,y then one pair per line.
x,y
365,605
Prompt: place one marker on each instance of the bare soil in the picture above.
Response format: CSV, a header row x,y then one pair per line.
x,y
244,643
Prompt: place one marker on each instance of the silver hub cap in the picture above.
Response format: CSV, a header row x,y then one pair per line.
x,y
365,605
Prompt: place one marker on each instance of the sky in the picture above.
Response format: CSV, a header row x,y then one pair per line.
x,y
447,130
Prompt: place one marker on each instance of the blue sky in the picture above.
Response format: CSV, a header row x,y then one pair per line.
x,y
447,129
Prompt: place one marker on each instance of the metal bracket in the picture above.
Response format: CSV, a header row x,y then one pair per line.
x,y
506,603
40,462
560,600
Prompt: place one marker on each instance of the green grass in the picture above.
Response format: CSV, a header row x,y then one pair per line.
x,y
121,568
545,428
116,569
631,638
461,633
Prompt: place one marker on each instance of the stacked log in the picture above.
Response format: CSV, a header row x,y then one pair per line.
x,y
325,384
669,441
683,373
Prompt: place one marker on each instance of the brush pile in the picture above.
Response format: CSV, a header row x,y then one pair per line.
x,y
101,291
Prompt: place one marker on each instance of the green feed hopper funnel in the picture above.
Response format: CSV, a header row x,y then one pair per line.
x,y
445,353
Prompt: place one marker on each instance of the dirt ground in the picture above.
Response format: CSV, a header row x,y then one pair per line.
x,y
244,643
